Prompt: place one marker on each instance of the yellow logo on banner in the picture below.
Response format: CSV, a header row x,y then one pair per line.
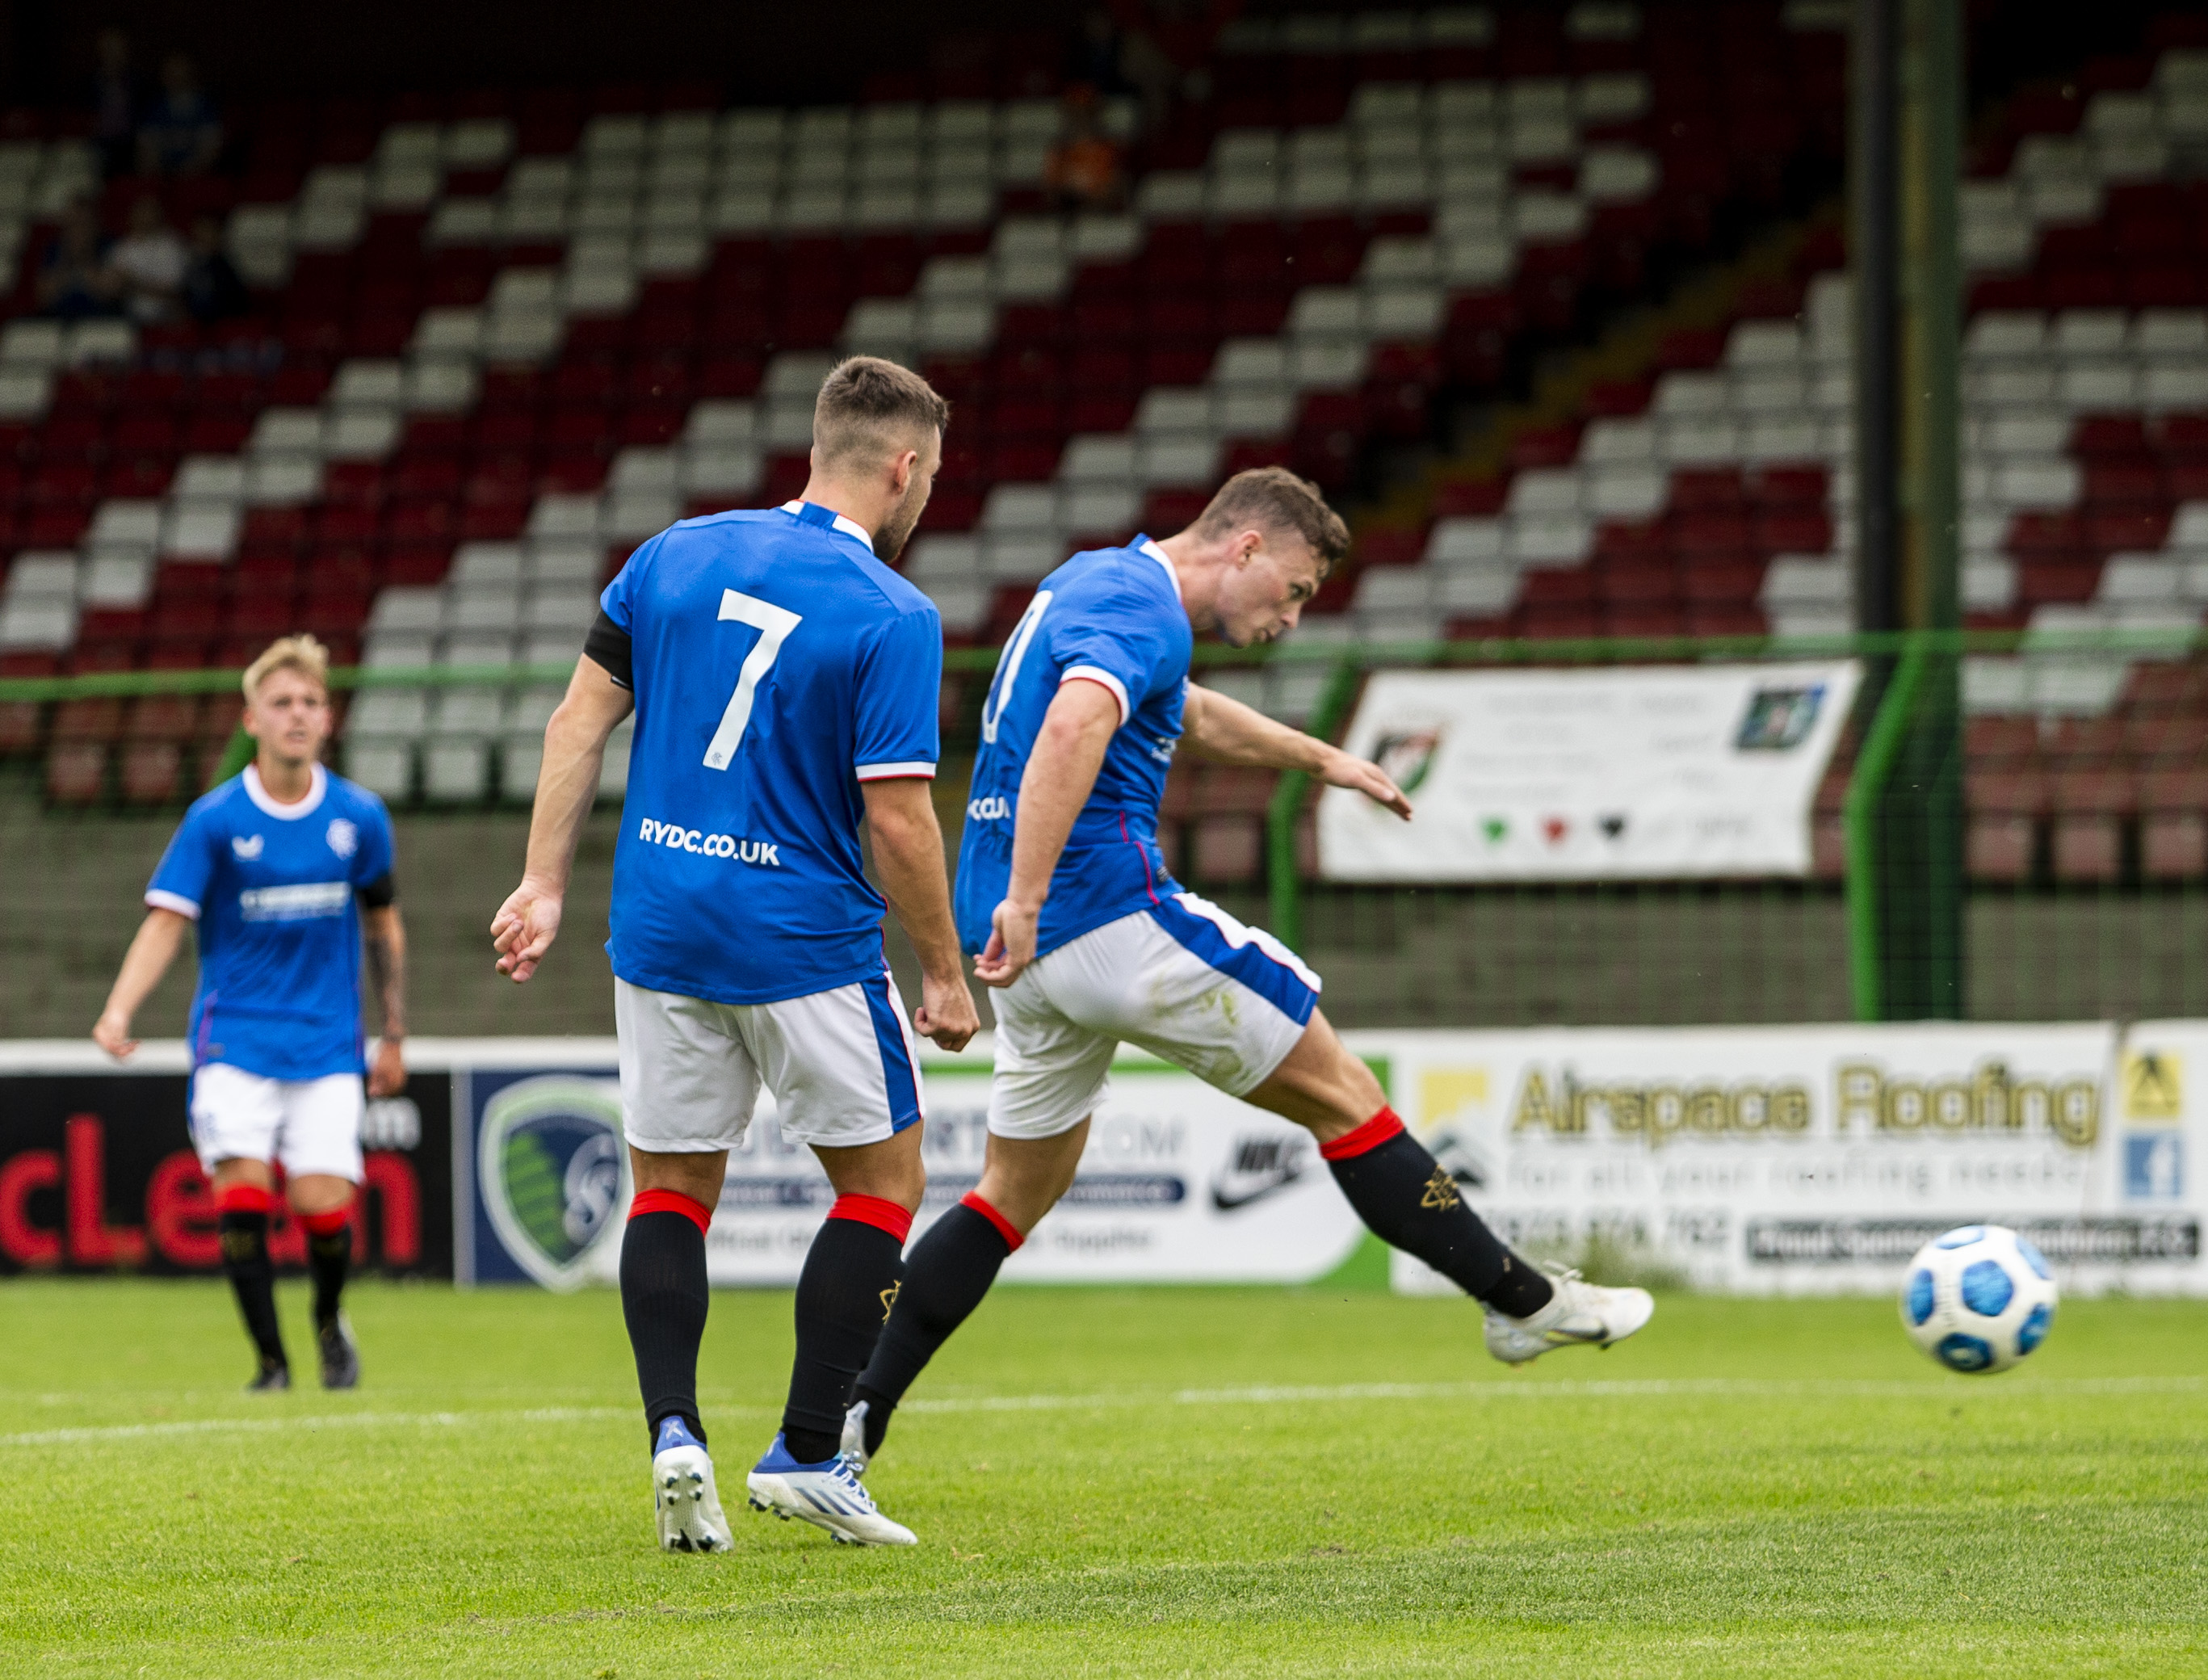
x,y
2154,1086
1444,1093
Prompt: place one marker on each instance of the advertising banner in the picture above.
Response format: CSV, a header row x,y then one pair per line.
x,y
1660,772
1818,1159
1761,1160
97,1173
1179,1183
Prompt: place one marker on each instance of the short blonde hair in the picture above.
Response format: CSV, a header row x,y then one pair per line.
x,y
303,654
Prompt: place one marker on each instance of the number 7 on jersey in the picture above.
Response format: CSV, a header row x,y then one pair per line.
x,y
774,624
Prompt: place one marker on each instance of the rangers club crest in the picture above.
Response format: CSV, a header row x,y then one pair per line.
x,y
553,1174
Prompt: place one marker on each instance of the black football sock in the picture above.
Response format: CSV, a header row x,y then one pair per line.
x,y
329,1255
242,1225
852,1275
1407,1199
950,1270
663,1300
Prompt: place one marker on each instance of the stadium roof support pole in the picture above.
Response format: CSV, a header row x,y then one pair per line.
x,y
1283,876
1905,886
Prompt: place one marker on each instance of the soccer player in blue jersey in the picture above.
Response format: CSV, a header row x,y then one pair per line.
x,y
785,683
1065,899
286,872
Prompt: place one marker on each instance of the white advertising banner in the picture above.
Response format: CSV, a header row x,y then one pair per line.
x,y
1639,772
1802,1159
1179,1184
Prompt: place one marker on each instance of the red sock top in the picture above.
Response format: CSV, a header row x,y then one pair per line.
x,y
877,1211
1383,1127
672,1201
1005,1228
243,1199
326,1224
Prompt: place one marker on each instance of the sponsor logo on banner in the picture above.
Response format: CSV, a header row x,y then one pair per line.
x,y
1260,1166
1760,1159
553,1173
1621,773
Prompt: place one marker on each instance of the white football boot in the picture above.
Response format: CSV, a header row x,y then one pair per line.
x,y
683,1495
1580,1315
828,1495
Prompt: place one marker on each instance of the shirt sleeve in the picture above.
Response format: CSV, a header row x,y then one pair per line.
x,y
1120,644
186,871
373,859
619,600
900,690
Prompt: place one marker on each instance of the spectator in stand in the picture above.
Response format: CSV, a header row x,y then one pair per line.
x,y
212,290
114,105
149,263
1084,172
75,281
182,135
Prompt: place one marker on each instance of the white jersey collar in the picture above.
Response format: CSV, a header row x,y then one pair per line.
x,y
844,522
1165,560
318,786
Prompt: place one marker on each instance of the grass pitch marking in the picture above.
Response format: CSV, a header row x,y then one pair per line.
x,y
1742,1387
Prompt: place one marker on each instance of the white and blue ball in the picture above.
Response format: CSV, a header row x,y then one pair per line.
x,y
1978,1299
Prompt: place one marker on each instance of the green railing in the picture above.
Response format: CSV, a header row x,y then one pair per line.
x,y
2043,945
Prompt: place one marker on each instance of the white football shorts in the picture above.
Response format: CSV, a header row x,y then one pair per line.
x,y
840,1062
311,1126
1183,980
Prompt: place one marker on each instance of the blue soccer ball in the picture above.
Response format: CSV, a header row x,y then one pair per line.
x,y
1978,1298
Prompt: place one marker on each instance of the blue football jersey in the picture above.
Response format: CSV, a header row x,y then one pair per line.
x,y
1112,616
776,665
272,887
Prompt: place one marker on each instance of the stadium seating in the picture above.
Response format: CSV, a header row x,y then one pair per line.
x,y
1716,497
652,267
499,340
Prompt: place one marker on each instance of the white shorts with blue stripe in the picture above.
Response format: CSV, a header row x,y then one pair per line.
x,y
1183,980
840,1062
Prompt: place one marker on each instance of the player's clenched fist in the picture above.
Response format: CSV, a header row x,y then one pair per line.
x,y
946,1012
524,929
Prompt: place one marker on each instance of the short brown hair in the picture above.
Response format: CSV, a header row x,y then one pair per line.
x,y
868,404
303,654
1275,500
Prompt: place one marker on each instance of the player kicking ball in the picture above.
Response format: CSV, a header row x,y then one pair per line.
x,y
269,868
1064,895
785,683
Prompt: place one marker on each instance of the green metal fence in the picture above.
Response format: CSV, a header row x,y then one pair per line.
x,y
1872,933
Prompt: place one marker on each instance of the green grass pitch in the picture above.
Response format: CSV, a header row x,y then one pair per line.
x,y
1122,1481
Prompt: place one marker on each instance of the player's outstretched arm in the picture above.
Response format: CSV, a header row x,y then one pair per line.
x,y
154,947
1068,750
1227,732
908,844
574,748
385,936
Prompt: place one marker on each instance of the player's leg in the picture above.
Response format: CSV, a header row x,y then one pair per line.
x,y
846,1080
235,1119
1052,1072
322,1167
688,1088
1276,1051
952,1267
